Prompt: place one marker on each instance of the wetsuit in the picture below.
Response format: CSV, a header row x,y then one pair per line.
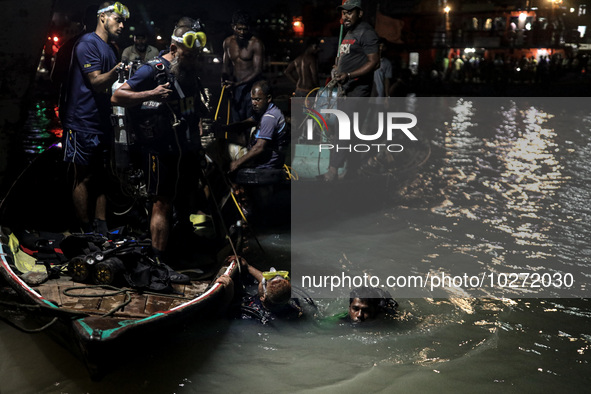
x,y
252,307
166,150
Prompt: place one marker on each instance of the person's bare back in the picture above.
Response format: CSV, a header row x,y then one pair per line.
x,y
307,71
303,71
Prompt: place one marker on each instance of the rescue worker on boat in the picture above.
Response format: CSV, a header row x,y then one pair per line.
x,y
86,115
268,143
261,163
164,98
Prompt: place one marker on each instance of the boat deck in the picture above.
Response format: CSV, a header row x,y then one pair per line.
x,y
123,302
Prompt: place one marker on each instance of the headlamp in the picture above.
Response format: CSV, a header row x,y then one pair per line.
x,y
191,39
117,8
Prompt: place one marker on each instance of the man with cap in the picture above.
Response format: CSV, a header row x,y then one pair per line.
x,y
357,60
358,52
140,50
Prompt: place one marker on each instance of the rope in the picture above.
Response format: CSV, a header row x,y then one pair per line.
x,y
116,291
44,308
229,185
308,95
291,173
33,309
219,103
340,41
219,211
29,330
239,207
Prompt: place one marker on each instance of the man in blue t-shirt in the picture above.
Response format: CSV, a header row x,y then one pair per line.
x,y
86,114
270,139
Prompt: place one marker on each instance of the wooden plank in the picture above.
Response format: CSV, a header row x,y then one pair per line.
x,y
108,303
51,293
84,304
176,303
137,306
157,303
196,289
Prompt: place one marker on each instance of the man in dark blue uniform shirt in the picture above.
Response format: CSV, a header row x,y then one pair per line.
x,y
86,116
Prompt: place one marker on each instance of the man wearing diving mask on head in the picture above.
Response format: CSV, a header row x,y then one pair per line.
x,y
164,101
273,299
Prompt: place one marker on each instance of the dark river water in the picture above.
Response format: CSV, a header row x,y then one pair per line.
x,y
506,190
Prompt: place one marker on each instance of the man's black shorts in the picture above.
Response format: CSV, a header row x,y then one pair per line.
x,y
85,149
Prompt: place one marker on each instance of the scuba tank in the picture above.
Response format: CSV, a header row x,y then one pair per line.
x,y
123,139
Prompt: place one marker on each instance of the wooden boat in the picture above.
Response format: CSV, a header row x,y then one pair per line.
x,y
379,181
99,322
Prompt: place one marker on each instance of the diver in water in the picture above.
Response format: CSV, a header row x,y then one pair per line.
x,y
273,298
367,304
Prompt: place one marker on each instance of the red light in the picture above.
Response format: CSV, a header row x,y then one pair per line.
x,y
298,26
55,39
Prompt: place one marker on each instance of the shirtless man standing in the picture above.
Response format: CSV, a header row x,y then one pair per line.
x,y
242,65
303,70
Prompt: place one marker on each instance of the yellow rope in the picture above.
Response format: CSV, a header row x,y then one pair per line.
x,y
219,103
238,206
308,95
291,173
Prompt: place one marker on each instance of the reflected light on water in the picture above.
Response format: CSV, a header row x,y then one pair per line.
x,y
529,172
504,186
